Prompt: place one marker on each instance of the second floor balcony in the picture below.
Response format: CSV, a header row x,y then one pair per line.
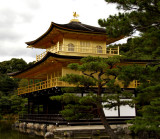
x,y
77,50
56,82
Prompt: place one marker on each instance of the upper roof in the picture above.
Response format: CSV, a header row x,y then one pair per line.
x,y
79,27
72,26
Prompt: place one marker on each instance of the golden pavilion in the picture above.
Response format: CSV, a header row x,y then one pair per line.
x,y
64,44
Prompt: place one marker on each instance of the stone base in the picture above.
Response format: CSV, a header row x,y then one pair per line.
x,y
70,131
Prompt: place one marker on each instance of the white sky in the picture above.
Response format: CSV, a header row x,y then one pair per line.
x,y
25,20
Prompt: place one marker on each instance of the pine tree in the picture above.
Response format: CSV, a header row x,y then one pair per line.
x,y
99,76
149,121
147,100
142,16
137,15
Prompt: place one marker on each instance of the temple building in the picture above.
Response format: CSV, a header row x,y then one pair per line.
x,y
65,44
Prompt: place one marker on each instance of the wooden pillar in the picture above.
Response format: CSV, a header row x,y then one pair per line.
x,y
51,80
28,82
47,77
45,108
29,107
38,108
28,86
47,81
118,50
57,46
32,108
119,111
63,45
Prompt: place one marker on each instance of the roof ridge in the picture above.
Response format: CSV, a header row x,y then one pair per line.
x,y
85,27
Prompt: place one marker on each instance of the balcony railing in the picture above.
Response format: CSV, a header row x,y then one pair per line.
x,y
80,50
55,82
43,85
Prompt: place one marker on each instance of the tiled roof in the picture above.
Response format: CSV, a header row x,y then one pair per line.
x,y
72,26
78,26
71,57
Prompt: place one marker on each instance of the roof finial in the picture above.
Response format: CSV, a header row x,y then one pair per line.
x,y
75,15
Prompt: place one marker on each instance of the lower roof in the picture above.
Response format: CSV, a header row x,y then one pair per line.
x,y
70,58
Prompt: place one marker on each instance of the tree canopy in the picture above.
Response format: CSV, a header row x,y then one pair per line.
x,y
10,102
98,80
143,17
137,15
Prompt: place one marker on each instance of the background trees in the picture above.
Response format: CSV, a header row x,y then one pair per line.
x,y
136,15
10,103
143,17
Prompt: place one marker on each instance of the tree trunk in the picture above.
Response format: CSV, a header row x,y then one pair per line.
x,y
107,127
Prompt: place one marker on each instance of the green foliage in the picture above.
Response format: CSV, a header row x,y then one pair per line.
x,y
93,69
142,16
134,72
146,94
112,95
7,84
23,83
99,72
76,107
150,120
136,15
66,98
147,100
10,103
117,25
146,46
76,112
20,102
12,65
78,80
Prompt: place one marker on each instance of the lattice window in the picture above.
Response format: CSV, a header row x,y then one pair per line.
x,y
99,49
71,47
84,46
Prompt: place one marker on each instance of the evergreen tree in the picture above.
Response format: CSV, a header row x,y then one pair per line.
x,y
138,15
142,16
99,72
12,65
147,99
149,122
10,103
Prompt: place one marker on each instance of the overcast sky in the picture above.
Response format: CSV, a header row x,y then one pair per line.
x,y
25,20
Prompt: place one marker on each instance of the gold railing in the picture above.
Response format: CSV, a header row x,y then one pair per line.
x,y
79,49
55,82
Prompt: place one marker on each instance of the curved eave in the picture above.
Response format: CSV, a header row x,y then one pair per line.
x,y
30,43
43,60
49,54
58,26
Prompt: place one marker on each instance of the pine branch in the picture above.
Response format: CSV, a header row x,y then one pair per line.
x,y
90,75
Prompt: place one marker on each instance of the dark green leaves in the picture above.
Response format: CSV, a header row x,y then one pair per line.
x,y
151,119
77,107
78,80
117,25
137,15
